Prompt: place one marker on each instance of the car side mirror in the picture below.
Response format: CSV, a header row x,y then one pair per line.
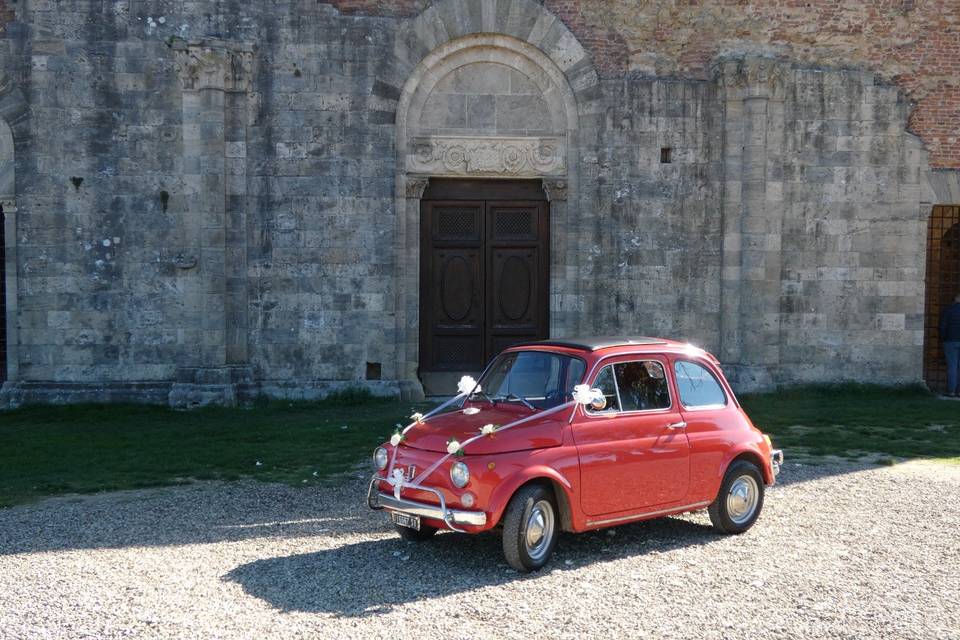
x,y
599,402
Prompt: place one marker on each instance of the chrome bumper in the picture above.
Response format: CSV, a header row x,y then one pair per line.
x,y
776,460
450,517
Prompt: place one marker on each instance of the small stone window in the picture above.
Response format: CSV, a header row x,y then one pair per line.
x,y
666,155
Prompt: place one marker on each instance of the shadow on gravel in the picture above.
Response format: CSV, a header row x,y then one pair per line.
x,y
200,513
208,513
370,578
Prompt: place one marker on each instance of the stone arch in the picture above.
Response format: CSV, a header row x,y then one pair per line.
x,y
13,133
439,48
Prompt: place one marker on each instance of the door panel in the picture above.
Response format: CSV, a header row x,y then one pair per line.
x,y
632,460
484,278
454,293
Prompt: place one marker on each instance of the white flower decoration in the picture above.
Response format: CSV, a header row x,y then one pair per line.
x,y
396,439
417,417
467,384
583,394
453,447
470,411
397,482
488,429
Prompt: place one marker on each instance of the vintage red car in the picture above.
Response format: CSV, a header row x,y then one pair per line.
x,y
574,435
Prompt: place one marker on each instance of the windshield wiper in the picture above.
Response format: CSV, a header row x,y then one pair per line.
x,y
484,394
513,395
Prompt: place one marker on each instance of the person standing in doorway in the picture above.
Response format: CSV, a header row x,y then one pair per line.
x,y
950,337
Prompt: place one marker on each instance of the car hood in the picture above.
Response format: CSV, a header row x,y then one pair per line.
x,y
538,433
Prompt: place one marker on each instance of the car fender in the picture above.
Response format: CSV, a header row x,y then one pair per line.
x,y
755,451
504,492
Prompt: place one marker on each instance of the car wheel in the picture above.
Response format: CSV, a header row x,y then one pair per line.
x,y
740,499
530,528
412,535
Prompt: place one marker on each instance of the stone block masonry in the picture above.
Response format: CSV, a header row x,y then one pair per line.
x,y
216,200
915,44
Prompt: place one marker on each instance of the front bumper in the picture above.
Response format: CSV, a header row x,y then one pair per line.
x,y
450,517
776,461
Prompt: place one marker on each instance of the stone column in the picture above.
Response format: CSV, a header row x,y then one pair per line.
x,y
564,307
408,267
752,213
8,206
215,77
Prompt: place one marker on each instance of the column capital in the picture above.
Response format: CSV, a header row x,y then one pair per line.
x,y
416,185
753,77
555,188
214,64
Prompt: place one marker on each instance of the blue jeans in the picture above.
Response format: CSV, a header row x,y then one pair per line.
x,y
952,351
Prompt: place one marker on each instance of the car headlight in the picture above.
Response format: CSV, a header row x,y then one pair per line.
x,y
460,474
380,458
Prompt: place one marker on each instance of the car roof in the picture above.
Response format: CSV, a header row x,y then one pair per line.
x,y
597,343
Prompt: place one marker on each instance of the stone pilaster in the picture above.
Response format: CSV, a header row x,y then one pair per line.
x,y
752,208
408,266
215,77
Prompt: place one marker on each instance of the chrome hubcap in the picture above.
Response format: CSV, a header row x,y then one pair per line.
x,y
539,529
742,499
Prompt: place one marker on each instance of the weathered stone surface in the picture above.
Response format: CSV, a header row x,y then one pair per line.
x,y
250,202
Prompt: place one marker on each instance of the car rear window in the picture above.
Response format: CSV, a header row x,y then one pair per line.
x,y
698,387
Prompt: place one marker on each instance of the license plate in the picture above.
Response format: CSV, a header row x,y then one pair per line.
x,y
405,520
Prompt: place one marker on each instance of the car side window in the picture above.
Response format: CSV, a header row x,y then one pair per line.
x,y
698,387
642,385
609,388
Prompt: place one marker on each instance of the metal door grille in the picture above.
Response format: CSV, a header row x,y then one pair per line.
x,y
942,284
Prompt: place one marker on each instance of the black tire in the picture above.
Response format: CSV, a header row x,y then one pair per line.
x,y
742,477
532,505
412,535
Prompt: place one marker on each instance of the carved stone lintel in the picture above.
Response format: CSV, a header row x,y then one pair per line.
x,y
488,156
556,189
416,185
214,65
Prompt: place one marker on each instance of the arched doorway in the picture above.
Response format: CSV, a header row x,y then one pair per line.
x,y
486,108
942,284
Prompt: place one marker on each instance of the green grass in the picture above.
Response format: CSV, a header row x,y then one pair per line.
x,y
859,421
80,449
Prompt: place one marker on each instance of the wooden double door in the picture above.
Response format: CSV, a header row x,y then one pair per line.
x,y
484,272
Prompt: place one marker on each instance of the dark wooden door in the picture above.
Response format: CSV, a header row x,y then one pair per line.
x,y
484,280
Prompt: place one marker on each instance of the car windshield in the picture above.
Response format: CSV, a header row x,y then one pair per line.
x,y
539,379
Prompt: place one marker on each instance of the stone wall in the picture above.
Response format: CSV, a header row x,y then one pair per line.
x,y
651,242
225,202
129,271
915,44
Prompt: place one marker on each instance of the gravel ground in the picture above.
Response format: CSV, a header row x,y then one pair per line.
x,y
839,552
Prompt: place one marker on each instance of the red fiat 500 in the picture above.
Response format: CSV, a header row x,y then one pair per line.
x,y
577,434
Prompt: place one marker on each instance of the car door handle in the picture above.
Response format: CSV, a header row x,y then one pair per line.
x,y
677,425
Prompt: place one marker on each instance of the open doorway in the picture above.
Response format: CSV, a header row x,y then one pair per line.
x,y
942,284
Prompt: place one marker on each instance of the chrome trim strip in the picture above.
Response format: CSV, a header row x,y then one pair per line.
x,y
637,516
387,501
